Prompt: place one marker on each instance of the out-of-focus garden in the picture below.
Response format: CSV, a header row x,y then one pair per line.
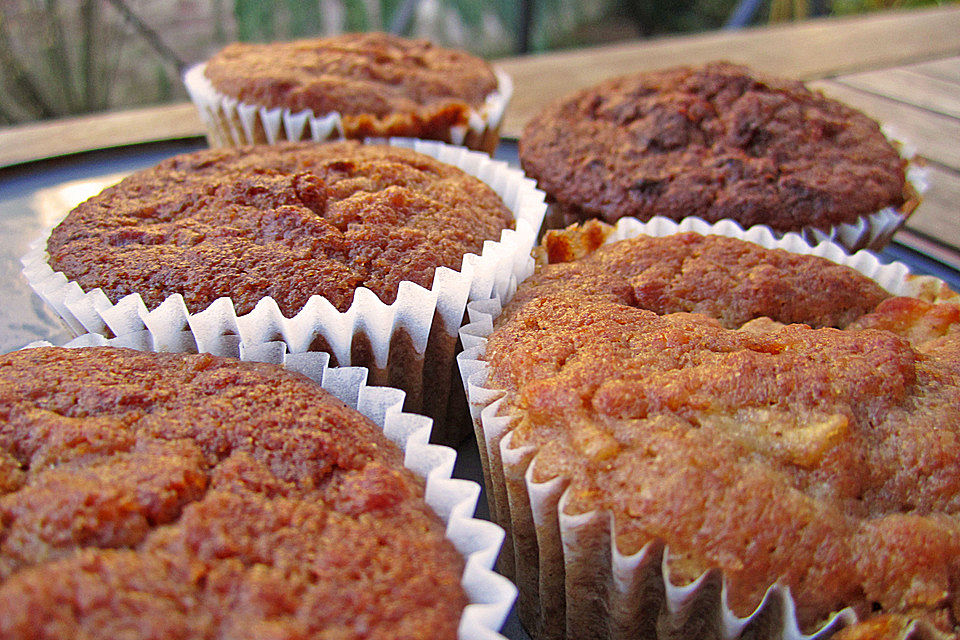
x,y
65,57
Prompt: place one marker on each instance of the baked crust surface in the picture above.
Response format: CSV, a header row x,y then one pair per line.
x,y
776,416
354,74
172,496
288,221
715,142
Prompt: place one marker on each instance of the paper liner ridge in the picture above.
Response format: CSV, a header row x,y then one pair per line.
x,y
454,500
565,545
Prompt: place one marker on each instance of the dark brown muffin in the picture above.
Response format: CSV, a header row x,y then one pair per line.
x,y
152,495
380,84
715,142
288,221
663,379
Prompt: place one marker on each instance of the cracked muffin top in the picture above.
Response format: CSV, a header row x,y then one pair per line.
x,y
288,221
715,142
354,74
778,416
148,495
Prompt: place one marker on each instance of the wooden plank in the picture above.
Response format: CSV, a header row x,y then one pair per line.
x,y
934,136
938,216
947,69
933,250
812,49
806,50
906,85
102,131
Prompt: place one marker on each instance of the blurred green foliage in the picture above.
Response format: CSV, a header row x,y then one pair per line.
x,y
656,17
265,20
846,7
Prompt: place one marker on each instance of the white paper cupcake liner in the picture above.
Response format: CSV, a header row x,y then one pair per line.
x,y
872,232
230,122
454,500
573,581
409,344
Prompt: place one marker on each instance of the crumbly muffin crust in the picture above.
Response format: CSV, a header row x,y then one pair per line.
x,y
715,142
354,74
168,496
288,221
663,378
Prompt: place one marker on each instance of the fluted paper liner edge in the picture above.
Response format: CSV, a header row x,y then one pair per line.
x,y
214,330
454,500
230,122
873,231
633,595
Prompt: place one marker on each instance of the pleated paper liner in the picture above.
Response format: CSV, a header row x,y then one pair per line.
x,y
230,122
872,232
573,580
409,344
454,500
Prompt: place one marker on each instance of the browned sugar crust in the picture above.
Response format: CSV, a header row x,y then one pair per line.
x,y
355,74
724,278
715,142
170,496
671,394
288,221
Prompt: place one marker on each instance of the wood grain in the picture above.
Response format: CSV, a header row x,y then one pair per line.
x,y
938,216
934,136
946,69
806,50
910,87
102,131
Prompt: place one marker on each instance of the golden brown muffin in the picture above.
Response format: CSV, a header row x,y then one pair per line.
x,y
292,221
149,495
288,221
380,84
716,142
775,416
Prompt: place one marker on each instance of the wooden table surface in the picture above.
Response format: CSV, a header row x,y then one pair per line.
x,y
902,68
920,104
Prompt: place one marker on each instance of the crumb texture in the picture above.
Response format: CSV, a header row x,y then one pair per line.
x,y
170,496
287,221
774,415
355,74
715,142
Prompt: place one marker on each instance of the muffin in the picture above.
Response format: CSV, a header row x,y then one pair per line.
x,y
169,495
719,142
695,435
348,86
368,252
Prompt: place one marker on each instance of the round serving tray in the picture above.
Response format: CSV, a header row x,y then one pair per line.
x,y
34,196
